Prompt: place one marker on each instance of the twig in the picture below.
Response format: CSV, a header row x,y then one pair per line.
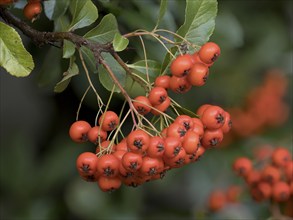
x,y
128,71
124,93
100,101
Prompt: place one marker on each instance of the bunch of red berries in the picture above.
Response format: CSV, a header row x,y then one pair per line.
x,y
147,152
264,107
193,69
270,178
141,156
219,198
186,71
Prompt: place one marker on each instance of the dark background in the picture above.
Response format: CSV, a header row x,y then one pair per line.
x,y
38,179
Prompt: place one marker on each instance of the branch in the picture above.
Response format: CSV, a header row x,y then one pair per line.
x,y
41,37
124,93
128,71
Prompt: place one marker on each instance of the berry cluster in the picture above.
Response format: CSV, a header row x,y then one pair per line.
x,y
187,70
141,156
271,177
193,70
264,107
147,152
268,178
218,199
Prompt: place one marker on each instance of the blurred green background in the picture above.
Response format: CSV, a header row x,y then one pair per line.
x,y
38,179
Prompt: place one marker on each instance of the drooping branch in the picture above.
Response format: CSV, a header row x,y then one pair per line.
x,y
124,93
41,37
128,71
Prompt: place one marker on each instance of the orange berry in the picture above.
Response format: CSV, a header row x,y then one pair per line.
x,y
142,105
253,177
265,189
271,174
181,65
163,81
281,156
32,10
242,166
217,200
281,191
209,52
261,192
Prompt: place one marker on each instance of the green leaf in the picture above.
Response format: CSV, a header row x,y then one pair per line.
x,y
13,56
120,42
72,71
118,71
162,11
89,58
55,8
62,23
105,31
132,87
184,111
140,68
68,49
199,25
84,13
199,22
51,70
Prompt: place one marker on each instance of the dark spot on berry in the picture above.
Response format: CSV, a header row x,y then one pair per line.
x,y
176,151
152,171
108,171
214,142
160,147
185,72
205,78
84,137
141,110
138,144
129,174
162,99
180,161
191,157
220,119
85,168
133,165
215,57
182,132
186,125
112,125
181,89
